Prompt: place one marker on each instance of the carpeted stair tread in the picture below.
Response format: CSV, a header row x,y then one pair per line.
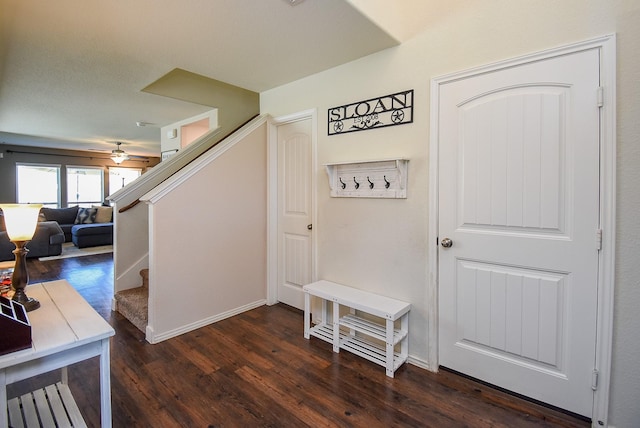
x,y
133,304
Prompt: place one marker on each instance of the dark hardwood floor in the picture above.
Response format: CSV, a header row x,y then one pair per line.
x,y
257,370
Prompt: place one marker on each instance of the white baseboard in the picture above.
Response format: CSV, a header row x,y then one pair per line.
x,y
418,362
153,338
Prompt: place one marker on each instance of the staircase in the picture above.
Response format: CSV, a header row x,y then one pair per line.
x,y
237,164
133,304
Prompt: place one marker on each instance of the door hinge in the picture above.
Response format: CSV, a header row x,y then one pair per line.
x,y
594,379
599,239
600,96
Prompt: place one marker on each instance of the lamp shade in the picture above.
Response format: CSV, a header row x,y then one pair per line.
x,y
20,220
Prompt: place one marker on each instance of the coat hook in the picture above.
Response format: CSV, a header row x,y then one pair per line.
x,y
342,183
357,184
370,183
386,183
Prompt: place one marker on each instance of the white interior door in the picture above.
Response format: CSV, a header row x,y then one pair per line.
x,y
295,246
518,198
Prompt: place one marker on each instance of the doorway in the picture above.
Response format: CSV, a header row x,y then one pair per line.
x,y
292,211
521,173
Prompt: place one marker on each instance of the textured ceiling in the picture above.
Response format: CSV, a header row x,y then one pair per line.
x,y
72,71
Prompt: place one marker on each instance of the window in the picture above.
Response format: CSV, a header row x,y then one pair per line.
x,y
38,184
120,177
85,186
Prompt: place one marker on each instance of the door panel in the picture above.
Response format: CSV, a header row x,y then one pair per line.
x,y
295,211
519,197
499,312
501,189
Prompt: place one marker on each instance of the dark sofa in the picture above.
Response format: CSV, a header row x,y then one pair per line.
x,y
91,235
65,217
83,230
47,241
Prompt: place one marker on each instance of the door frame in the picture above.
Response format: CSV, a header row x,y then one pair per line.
x,y
272,197
606,258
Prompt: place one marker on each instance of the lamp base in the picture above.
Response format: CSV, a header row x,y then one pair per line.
x,y
29,303
20,277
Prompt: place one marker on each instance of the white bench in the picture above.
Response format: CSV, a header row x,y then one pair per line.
x,y
356,332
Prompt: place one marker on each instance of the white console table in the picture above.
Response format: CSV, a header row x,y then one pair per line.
x,y
64,331
352,332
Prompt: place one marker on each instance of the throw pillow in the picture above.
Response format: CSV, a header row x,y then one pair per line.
x,y
104,214
86,216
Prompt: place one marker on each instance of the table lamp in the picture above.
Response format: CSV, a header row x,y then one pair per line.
x,y
21,220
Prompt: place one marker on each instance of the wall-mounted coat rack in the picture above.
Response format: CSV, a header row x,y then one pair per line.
x,y
385,178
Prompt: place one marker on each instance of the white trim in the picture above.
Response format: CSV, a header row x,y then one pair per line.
x,y
596,43
152,297
606,279
272,213
432,247
197,164
419,362
272,195
152,338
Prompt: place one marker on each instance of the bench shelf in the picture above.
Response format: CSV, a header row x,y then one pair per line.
x,y
373,340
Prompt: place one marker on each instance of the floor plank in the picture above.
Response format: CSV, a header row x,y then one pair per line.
x,y
256,369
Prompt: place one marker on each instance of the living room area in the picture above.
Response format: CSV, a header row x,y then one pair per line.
x,y
72,186
65,232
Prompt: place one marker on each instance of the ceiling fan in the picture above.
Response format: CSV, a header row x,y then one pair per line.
x,y
118,155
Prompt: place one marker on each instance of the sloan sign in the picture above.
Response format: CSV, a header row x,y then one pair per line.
x,y
389,110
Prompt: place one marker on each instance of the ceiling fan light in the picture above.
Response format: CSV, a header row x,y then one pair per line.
x,y
119,156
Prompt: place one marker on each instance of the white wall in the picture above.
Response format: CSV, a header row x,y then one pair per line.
x,y
208,236
131,245
167,143
381,245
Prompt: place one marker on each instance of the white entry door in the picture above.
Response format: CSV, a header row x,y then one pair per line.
x,y
295,246
518,220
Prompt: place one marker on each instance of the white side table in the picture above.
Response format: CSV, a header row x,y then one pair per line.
x,y
64,330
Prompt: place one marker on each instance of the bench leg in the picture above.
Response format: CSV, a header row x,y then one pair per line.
x,y
389,347
404,344
336,327
307,314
